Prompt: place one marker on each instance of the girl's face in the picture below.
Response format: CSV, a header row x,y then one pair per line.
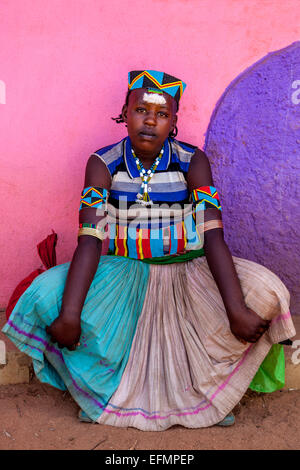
x,y
149,123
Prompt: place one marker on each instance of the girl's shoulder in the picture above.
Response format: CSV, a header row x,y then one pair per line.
x,y
182,153
183,145
111,155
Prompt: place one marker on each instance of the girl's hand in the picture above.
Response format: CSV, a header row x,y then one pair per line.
x,y
248,326
65,331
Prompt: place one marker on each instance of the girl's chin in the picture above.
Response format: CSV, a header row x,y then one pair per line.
x,y
146,143
146,149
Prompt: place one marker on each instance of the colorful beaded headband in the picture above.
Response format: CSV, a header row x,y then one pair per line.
x,y
156,82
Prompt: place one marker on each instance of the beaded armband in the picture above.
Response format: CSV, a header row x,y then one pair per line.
x,y
206,197
94,197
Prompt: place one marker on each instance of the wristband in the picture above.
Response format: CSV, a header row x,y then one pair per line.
x,y
211,224
93,230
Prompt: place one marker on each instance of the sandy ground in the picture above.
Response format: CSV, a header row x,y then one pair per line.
x,y
38,417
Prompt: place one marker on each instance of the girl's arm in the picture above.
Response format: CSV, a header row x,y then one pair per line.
x,y
66,330
245,324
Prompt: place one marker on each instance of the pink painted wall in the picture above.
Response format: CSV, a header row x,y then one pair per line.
x,y
63,74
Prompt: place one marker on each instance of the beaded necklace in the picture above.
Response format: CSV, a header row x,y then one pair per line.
x,y
143,197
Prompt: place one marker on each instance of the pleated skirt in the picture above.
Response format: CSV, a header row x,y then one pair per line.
x,y
156,348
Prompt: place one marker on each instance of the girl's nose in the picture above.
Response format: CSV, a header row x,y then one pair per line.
x,y
150,118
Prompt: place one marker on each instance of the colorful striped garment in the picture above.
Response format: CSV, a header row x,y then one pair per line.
x,y
170,225
156,349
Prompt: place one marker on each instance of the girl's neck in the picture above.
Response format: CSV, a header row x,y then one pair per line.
x,y
147,159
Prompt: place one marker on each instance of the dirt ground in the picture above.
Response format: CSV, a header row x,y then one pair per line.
x,y
36,416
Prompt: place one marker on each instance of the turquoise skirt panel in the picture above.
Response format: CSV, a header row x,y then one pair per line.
x,y
109,317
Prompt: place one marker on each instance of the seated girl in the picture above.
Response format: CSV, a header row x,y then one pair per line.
x,y
167,328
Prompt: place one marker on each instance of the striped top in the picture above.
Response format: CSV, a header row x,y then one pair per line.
x,y
170,225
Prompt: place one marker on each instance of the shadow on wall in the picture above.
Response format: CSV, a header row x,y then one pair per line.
x,y
253,143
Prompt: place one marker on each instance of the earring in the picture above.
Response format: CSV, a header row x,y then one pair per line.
x,y
174,132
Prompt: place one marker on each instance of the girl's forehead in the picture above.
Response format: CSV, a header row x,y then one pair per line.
x,y
154,98
144,95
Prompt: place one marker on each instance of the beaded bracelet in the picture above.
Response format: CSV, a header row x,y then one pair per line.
x,y
211,224
93,230
207,197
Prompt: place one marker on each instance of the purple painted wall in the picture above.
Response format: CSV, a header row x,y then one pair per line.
x,y
253,143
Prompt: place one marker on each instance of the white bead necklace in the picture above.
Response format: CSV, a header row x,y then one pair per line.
x,y
143,196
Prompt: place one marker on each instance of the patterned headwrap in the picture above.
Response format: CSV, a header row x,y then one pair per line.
x,y
156,82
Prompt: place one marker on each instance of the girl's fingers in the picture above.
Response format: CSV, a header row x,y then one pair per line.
x,y
258,336
242,340
48,331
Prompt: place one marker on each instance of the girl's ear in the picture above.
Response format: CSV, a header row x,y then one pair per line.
x,y
124,113
174,122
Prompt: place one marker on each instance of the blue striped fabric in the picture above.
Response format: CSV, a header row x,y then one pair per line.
x,y
167,187
168,183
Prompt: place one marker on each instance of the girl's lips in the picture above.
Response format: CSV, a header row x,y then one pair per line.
x,y
147,135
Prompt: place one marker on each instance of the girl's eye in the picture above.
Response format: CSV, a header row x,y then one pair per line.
x,y
161,113
140,110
